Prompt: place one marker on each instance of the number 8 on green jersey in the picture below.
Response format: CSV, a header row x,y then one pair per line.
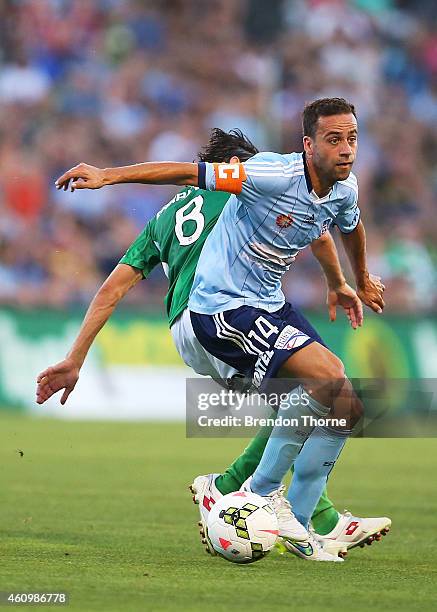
x,y
175,237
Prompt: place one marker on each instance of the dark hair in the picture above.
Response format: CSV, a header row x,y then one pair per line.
x,y
324,107
224,145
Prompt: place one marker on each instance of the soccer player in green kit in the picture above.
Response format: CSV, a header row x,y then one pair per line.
x,y
175,237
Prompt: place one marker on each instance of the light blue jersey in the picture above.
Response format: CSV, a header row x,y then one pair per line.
x,y
261,230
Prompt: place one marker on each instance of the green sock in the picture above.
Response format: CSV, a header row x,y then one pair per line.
x,y
325,516
245,465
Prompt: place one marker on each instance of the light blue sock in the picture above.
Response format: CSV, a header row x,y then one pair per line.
x,y
311,470
285,441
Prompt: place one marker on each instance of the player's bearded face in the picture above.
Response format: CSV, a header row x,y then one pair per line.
x,y
334,146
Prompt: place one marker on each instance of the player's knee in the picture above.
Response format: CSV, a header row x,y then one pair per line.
x,y
337,369
352,404
333,369
357,408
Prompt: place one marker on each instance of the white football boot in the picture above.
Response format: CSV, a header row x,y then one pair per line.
x,y
311,550
293,536
205,494
351,531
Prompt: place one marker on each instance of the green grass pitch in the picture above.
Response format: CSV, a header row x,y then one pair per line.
x,y
102,510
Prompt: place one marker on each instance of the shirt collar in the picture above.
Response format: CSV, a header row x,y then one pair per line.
x,y
307,174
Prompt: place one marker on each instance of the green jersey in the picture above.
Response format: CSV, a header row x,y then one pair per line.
x,y
175,237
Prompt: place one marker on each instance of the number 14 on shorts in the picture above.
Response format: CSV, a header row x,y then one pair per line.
x,y
266,329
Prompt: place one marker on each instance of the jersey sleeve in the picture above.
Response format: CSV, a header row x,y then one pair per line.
x,y
143,252
264,174
349,214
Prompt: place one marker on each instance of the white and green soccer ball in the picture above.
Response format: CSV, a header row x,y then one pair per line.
x,y
242,527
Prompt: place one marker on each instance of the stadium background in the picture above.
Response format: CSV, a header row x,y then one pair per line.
x,y
113,82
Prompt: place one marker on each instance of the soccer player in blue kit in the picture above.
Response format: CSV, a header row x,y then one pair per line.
x,y
238,312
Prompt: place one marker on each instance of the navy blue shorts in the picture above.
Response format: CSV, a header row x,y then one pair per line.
x,y
254,341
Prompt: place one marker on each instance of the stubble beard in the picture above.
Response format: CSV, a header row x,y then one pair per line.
x,y
327,177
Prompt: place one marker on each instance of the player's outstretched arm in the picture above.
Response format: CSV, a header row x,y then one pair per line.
x,y
84,176
65,374
370,289
339,292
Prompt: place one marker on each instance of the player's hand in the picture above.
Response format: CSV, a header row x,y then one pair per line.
x,y
63,375
371,291
348,299
82,176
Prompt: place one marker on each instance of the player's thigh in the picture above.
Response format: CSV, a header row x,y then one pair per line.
x,y
313,361
323,376
318,370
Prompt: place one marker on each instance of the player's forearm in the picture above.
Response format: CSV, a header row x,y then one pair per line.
x,y
325,251
119,282
99,311
157,173
355,247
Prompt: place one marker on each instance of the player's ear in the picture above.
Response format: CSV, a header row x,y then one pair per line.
x,y
234,160
308,145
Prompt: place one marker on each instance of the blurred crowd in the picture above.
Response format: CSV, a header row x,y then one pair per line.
x,y
113,82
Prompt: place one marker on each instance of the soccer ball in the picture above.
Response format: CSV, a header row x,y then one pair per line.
x,y
242,527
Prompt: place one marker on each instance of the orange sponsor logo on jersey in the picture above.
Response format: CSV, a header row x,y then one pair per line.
x,y
229,177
